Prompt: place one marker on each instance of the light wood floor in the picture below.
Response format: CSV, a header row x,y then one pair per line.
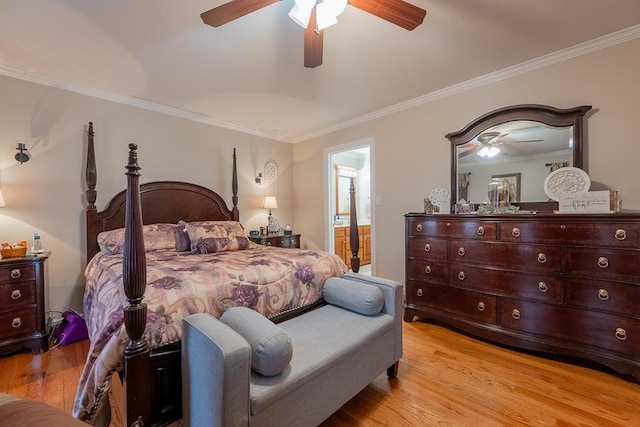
x,y
445,379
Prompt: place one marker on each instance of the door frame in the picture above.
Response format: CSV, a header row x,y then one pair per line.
x,y
329,192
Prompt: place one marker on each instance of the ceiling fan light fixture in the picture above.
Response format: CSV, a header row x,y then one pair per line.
x,y
327,12
324,16
300,15
488,152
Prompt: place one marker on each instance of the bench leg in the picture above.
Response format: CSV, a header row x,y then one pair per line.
x,y
392,371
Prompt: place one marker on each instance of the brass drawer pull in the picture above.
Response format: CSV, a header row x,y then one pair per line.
x,y
542,258
603,262
419,228
481,306
515,232
16,294
461,275
16,323
419,293
620,234
427,269
15,273
621,334
480,231
427,247
603,294
515,314
461,251
542,287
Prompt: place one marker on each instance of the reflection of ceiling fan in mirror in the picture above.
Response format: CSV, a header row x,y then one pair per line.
x,y
486,144
316,15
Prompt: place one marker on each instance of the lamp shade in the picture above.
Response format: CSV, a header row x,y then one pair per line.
x,y
2,203
270,202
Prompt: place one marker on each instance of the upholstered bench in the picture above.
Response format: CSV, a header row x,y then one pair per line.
x,y
244,370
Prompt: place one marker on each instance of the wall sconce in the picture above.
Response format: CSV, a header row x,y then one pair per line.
x,y
258,177
23,156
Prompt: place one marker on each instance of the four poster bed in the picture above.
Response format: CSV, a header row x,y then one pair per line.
x,y
159,252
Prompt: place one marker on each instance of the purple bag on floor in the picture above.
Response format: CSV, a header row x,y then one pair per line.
x,y
72,328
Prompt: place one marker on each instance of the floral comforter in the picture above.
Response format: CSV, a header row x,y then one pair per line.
x,y
267,279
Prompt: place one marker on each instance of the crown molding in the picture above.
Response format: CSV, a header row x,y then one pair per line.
x,y
135,102
585,48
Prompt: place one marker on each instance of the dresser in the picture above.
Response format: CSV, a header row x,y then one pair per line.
x,y
563,284
22,307
281,241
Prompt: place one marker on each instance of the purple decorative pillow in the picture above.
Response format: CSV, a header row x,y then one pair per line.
x,y
157,237
216,236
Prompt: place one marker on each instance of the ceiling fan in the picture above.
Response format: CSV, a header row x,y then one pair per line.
x,y
486,142
310,14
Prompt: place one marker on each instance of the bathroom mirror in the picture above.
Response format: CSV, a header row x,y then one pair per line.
x,y
343,177
528,141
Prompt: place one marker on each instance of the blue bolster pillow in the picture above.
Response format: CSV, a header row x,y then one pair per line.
x,y
355,296
271,347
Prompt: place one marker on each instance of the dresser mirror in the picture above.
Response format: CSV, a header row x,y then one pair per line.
x,y
525,141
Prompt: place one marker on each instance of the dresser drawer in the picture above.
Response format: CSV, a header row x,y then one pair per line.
x,y
485,230
621,298
537,286
620,264
17,323
573,233
13,295
11,273
432,271
544,258
472,305
616,333
428,248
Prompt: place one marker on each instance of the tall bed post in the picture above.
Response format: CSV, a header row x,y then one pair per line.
x,y
354,238
91,176
234,189
134,275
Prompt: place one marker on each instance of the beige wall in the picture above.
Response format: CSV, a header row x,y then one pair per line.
x,y
412,156
47,193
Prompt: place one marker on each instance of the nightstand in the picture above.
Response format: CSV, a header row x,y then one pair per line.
x,y
281,241
22,312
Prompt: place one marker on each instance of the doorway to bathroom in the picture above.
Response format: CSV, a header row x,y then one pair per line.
x,y
353,161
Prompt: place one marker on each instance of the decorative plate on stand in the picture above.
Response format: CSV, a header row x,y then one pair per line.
x,y
441,198
566,180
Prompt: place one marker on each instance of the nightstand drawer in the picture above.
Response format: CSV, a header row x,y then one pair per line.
x,y
17,323
11,273
19,294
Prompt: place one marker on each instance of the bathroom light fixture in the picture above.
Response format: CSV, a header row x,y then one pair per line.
x,y
327,12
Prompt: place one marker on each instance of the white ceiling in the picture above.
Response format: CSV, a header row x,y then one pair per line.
x,y
248,74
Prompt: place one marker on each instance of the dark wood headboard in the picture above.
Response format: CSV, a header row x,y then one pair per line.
x,y
161,202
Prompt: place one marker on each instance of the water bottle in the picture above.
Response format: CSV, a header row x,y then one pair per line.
x,y
37,243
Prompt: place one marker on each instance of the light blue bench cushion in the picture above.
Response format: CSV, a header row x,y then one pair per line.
x,y
322,338
271,347
355,296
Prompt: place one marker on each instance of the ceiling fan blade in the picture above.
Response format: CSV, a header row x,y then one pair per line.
x,y
397,12
312,43
234,9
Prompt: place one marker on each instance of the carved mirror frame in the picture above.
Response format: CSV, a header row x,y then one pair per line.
x,y
545,114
